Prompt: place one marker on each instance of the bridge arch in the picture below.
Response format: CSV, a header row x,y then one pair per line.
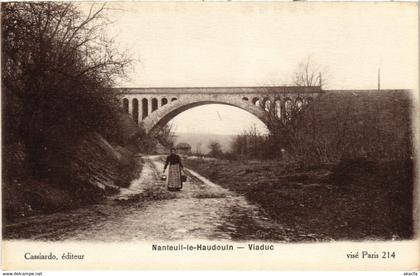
x,y
158,119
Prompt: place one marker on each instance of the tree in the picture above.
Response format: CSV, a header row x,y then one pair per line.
x,y
284,129
57,71
215,149
353,126
309,73
250,144
198,149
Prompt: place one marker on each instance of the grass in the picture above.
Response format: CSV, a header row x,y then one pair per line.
x,y
353,200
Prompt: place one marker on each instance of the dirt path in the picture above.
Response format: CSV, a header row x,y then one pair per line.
x,y
148,211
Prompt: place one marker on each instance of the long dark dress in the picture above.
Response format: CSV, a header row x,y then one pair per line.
x,y
173,180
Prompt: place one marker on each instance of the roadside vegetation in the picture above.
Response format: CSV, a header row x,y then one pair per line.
x,y
341,167
65,140
353,200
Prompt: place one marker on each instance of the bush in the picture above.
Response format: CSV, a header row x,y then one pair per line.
x,y
337,126
57,71
349,125
346,171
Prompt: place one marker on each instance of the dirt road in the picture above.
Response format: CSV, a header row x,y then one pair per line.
x,y
148,211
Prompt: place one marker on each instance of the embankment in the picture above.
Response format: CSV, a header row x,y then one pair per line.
x,y
354,199
94,168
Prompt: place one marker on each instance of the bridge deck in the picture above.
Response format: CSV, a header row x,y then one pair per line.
x,y
220,90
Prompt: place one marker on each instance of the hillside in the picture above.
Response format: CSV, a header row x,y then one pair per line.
x,y
353,124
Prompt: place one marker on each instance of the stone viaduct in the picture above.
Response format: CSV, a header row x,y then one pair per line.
x,y
155,107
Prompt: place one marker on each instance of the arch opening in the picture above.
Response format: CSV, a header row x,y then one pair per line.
x,y
255,100
277,108
125,104
288,108
135,112
144,108
299,103
159,124
267,104
163,101
154,104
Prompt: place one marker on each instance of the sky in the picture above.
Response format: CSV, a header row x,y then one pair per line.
x,y
253,44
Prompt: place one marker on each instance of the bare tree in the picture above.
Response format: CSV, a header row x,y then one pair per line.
x,y
58,67
309,73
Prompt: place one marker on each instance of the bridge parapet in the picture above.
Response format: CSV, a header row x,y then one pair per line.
x,y
221,90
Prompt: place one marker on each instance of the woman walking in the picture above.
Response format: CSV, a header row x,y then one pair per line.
x,y
174,179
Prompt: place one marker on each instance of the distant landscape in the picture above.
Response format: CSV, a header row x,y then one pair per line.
x,y
200,141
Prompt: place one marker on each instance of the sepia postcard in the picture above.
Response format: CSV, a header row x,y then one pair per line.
x,y
210,136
